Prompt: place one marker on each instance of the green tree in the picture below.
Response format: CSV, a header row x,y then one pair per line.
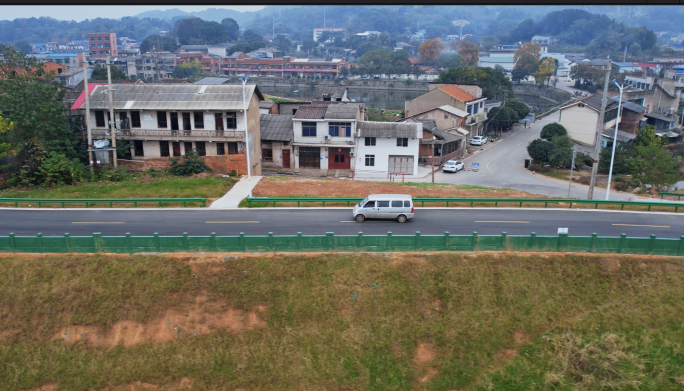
x,y
546,68
282,43
519,107
494,83
500,118
654,167
197,31
232,29
5,148
468,50
550,131
527,59
561,157
489,42
100,73
23,46
624,154
158,43
647,136
192,164
540,150
187,69
563,141
250,35
375,61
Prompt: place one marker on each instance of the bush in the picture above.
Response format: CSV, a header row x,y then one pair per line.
x,y
58,170
107,174
563,141
540,150
192,164
561,157
553,130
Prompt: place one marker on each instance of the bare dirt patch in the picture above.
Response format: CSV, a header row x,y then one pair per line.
x,y
47,387
422,358
520,338
203,317
306,187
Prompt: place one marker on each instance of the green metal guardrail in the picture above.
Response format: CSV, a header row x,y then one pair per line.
x,y
664,193
110,201
330,242
472,201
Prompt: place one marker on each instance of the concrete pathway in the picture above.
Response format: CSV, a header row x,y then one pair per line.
x,y
238,193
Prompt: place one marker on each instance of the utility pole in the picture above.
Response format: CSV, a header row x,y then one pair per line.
x,y
244,112
87,102
111,113
432,161
572,166
599,128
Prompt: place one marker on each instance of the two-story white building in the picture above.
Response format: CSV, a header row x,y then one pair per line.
x,y
387,148
580,118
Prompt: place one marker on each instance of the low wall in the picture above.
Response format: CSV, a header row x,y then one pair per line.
x,y
538,95
355,84
219,164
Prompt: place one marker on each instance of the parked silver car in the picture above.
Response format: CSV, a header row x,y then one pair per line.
x,y
453,166
384,206
479,140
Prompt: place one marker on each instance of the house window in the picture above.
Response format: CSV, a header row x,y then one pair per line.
x,y
199,119
135,119
220,149
470,109
339,129
138,148
231,120
188,147
370,160
106,39
232,148
370,141
99,38
201,148
99,119
475,109
161,120
267,152
164,148
218,120
308,129
402,142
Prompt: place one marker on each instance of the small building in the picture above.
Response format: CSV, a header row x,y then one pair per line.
x,y
448,144
506,62
387,148
268,107
580,118
276,141
102,45
662,123
318,31
632,116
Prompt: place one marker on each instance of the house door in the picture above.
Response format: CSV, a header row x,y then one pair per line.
x,y
286,158
401,165
309,157
338,158
186,121
176,149
174,121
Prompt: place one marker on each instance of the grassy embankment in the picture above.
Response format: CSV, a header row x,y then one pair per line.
x,y
343,322
138,187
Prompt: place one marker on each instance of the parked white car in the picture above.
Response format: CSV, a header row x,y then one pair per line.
x,y
479,140
453,166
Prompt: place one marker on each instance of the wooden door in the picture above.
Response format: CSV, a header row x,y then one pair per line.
x,y
176,149
286,158
309,157
338,158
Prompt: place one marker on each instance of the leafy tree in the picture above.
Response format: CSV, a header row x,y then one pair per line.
x,y
489,42
563,141
550,131
524,31
624,154
23,46
308,44
468,50
540,150
158,43
430,50
451,60
250,35
232,28
375,61
367,47
32,102
100,73
647,136
546,68
518,107
654,167
5,127
282,43
192,164
527,59
500,118
495,85
197,31
58,170
561,157
187,69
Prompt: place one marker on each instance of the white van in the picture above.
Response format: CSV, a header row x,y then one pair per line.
x,y
384,206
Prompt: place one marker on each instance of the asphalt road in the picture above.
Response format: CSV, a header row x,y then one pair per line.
x,y
502,164
310,221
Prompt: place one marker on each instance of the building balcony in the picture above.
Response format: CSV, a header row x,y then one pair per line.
x,y
173,135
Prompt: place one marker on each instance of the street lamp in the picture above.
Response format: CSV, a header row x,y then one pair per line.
x,y
612,156
244,112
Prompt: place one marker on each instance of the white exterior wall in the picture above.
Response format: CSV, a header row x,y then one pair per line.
x,y
148,120
580,122
384,147
321,131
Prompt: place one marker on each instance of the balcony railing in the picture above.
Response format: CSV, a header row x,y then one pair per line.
x,y
152,133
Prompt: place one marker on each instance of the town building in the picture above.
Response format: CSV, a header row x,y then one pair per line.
x,y
387,149
505,62
632,116
155,66
580,118
544,42
318,31
447,119
164,121
276,141
102,45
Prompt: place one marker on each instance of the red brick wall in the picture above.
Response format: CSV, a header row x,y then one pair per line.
x,y
219,164
630,121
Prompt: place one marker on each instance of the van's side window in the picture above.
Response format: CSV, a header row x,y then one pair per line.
x,y
396,204
407,204
370,204
383,204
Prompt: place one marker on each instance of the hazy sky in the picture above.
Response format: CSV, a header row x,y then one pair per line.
x,y
78,13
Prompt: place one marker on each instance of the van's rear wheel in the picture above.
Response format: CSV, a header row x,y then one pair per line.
x,y
360,218
401,219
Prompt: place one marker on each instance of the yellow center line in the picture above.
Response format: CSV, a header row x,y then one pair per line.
x,y
514,222
97,222
650,226
519,143
231,222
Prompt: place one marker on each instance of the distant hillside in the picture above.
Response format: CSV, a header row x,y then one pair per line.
x,y
211,14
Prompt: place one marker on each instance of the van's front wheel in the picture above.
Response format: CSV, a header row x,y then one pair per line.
x,y
401,219
360,218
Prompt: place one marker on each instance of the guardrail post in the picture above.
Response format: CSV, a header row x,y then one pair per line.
x,y
299,241
13,242
390,240
271,242
214,245
329,237
416,242
67,242
446,240
533,240
97,242
186,242
592,246
681,245
157,243
474,241
359,240
39,237
204,203
129,243
562,242
504,240
651,244
243,244
623,242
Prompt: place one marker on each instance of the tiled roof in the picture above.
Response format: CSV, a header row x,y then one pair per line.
x,y
275,127
387,129
631,106
342,111
311,112
457,93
